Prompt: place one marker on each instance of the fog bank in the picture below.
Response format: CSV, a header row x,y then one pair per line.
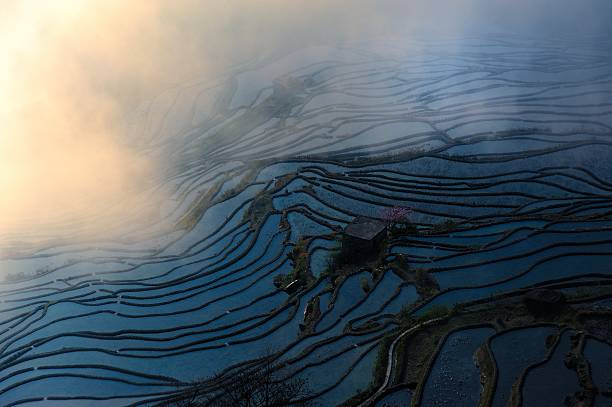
x,y
73,71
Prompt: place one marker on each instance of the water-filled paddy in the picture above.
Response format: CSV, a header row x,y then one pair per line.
x,y
521,170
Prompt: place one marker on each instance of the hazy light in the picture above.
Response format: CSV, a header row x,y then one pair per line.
x,y
71,71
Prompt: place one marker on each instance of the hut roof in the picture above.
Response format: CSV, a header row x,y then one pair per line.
x,y
544,296
366,229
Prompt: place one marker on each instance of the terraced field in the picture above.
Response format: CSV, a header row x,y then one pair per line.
x,y
501,148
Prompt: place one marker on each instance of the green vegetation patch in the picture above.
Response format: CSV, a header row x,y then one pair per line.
x,y
248,177
300,276
259,208
424,281
195,213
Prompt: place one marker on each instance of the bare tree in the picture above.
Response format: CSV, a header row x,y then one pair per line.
x,y
258,386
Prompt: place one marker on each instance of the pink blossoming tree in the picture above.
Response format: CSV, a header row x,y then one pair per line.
x,y
396,214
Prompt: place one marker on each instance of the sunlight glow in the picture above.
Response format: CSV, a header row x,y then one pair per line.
x,y
62,147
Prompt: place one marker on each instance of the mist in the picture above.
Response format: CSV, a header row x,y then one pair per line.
x,y
73,72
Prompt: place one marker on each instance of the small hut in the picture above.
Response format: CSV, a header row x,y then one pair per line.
x,y
540,301
363,238
287,87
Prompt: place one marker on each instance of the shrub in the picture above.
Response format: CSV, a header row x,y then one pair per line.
x,y
279,280
364,284
405,316
421,276
401,229
435,311
380,366
259,208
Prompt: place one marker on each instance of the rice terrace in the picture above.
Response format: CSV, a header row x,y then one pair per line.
x,y
402,221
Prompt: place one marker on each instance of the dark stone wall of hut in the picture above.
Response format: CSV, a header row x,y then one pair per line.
x,y
378,240
356,250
